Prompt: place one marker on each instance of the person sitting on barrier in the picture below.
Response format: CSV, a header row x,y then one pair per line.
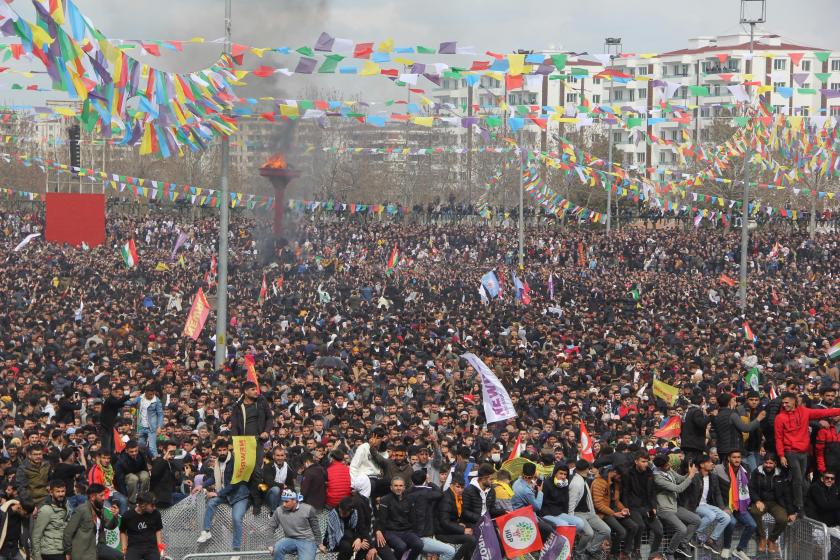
x,y
772,488
582,507
166,476
300,525
131,469
823,502
669,485
555,506
426,498
277,476
396,522
705,499
348,533
638,492
606,495
527,492
235,495
449,525
737,483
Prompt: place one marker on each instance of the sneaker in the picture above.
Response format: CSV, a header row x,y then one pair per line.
x,y
740,554
725,553
204,537
682,552
688,545
711,545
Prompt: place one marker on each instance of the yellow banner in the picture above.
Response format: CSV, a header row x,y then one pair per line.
x,y
244,458
667,393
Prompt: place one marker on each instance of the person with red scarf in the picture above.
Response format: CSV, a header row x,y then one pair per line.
x,y
738,497
793,440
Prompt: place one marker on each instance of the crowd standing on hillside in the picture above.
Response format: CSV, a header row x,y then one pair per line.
x,y
366,412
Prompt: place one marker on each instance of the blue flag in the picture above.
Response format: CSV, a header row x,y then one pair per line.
x,y
491,283
518,286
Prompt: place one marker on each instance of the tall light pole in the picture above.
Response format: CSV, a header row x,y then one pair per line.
x,y
613,47
224,218
521,203
752,12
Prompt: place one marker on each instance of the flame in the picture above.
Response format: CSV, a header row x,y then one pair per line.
x,y
277,161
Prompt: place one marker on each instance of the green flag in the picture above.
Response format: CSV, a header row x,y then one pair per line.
x,y
753,378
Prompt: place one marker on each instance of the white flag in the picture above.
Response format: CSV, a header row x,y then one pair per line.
x,y
483,293
26,241
497,403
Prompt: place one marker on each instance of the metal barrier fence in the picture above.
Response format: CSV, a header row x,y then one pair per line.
x,y
805,539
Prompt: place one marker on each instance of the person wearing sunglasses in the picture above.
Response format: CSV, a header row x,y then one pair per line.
x,y
823,502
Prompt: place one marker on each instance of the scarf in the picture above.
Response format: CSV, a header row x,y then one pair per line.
x,y
459,503
335,527
108,475
739,490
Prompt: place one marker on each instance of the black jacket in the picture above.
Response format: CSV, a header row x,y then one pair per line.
x,y
237,421
268,476
823,504
693,435
730,429
110,409
396,514
637,488
768,425
166,475
426,499
471,510
555,499
690,499
126,465
447,521
774,487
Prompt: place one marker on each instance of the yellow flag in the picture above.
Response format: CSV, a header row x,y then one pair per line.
x,y
244,450
667,393
161,267
517,64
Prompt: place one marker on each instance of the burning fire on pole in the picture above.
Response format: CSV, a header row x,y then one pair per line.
x,y
277,170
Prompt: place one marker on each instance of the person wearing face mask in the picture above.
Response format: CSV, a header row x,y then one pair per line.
x,y
555,504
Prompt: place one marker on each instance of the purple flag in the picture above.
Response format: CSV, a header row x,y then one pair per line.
x,y
306,65
556,548
182,237
447,47
487,546
325,42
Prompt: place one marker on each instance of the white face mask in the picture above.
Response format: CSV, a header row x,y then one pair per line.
x,y
495,457
561,483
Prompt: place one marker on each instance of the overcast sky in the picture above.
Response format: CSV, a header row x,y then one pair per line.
x,y
499,25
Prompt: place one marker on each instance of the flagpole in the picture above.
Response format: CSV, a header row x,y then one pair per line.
x,y
224,218
521,204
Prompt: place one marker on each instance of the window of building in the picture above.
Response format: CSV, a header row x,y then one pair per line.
x,y
778,109
835,86
571,98
803,111
835,65
596,98
705,112
642,156
596,81
834,111
618,95
805,65
642,71
617,137
779,84
779,64
631,95
643,93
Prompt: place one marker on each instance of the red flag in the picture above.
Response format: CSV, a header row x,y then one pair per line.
x,y
670,430
519,533
263,290
774,299
517,449
585,444
727,280
119,444
251,370
526,294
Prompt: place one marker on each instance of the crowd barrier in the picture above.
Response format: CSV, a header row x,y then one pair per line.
x,y
805,539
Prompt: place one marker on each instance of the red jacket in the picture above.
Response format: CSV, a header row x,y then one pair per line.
x,y
338,483
824,436
791,428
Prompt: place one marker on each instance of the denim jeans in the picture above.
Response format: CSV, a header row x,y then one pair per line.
x,y
752,460
306,550
745,519
237,515
434,546
272,498
147,438
121,501
566,519
712,514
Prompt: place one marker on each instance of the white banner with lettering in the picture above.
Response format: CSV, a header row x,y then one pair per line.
x,y
497,403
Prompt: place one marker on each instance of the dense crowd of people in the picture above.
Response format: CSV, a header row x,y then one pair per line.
x,y
366,412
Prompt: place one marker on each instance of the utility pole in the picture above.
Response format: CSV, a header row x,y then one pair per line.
x,y
224,218
521,203
613,47
752,13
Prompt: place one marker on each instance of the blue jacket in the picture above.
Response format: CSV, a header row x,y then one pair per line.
x,y
231,493
523,495
155,413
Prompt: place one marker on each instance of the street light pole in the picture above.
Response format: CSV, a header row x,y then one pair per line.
x,y
224,218
612,43
521,204
750,17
